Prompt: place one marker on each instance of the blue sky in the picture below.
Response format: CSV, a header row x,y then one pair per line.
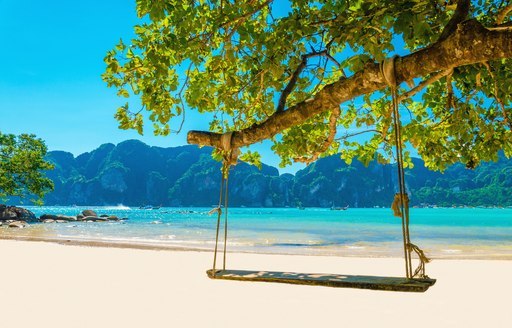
x,y
50,84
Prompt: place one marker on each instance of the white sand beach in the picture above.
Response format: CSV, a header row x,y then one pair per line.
x,y
52,285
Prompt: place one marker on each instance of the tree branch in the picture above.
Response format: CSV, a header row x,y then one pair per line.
x,y
246,15
506,119
460,14
229,22
449,93
423,84
469,44
333,120
503,14
293,80
502,27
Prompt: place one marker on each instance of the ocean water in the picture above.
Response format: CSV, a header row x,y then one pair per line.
x,y
440,232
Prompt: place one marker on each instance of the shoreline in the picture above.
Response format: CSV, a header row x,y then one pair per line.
x,y
367,234
101,243
351,253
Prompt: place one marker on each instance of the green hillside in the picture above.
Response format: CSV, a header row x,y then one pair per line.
x,y
133,173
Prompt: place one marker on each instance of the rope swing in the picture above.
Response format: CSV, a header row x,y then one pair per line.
x,y
230,157
400,208
400,204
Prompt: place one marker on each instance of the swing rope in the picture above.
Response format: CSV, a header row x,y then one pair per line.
x,y
217,210
400,204
230,157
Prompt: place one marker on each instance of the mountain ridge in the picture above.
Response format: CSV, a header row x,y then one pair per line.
x,y
134,174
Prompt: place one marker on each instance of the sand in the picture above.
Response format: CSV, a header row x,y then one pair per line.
x,y
53,285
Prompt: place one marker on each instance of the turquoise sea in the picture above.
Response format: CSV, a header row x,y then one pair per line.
x,y
441,232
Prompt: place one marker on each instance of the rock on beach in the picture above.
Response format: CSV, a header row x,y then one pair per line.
x,y
16,213
18,224
89,213
17,217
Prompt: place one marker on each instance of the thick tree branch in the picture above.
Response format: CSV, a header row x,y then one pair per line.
x,y
469,44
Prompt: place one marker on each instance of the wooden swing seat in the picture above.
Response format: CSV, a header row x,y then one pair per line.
x,y
328,280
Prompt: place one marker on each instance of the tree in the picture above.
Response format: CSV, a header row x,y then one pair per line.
x,y
305,73
22,167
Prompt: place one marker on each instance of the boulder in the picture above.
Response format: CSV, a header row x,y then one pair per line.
x,y
113,218
66,217
104,216
94,219
16,213
48,221
45,217
89,213
90,218
80,217
62,221
6,213
18,224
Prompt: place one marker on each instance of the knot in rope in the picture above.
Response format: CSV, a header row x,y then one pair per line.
x,y
420,270
230,153
225,140
387,69
215,210
397,204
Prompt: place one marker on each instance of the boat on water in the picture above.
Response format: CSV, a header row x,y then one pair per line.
x,y
333,208
150,207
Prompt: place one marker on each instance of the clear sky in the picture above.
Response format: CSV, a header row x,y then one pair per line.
x,y
50,81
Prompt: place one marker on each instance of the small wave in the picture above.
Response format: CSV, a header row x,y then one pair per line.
x,y
356,247
451,251
301,244
117,207
170,237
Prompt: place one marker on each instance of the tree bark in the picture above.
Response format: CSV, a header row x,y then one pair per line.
x,y
470,43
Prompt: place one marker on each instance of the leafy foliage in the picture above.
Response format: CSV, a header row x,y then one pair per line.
x,y
245,61
22,166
